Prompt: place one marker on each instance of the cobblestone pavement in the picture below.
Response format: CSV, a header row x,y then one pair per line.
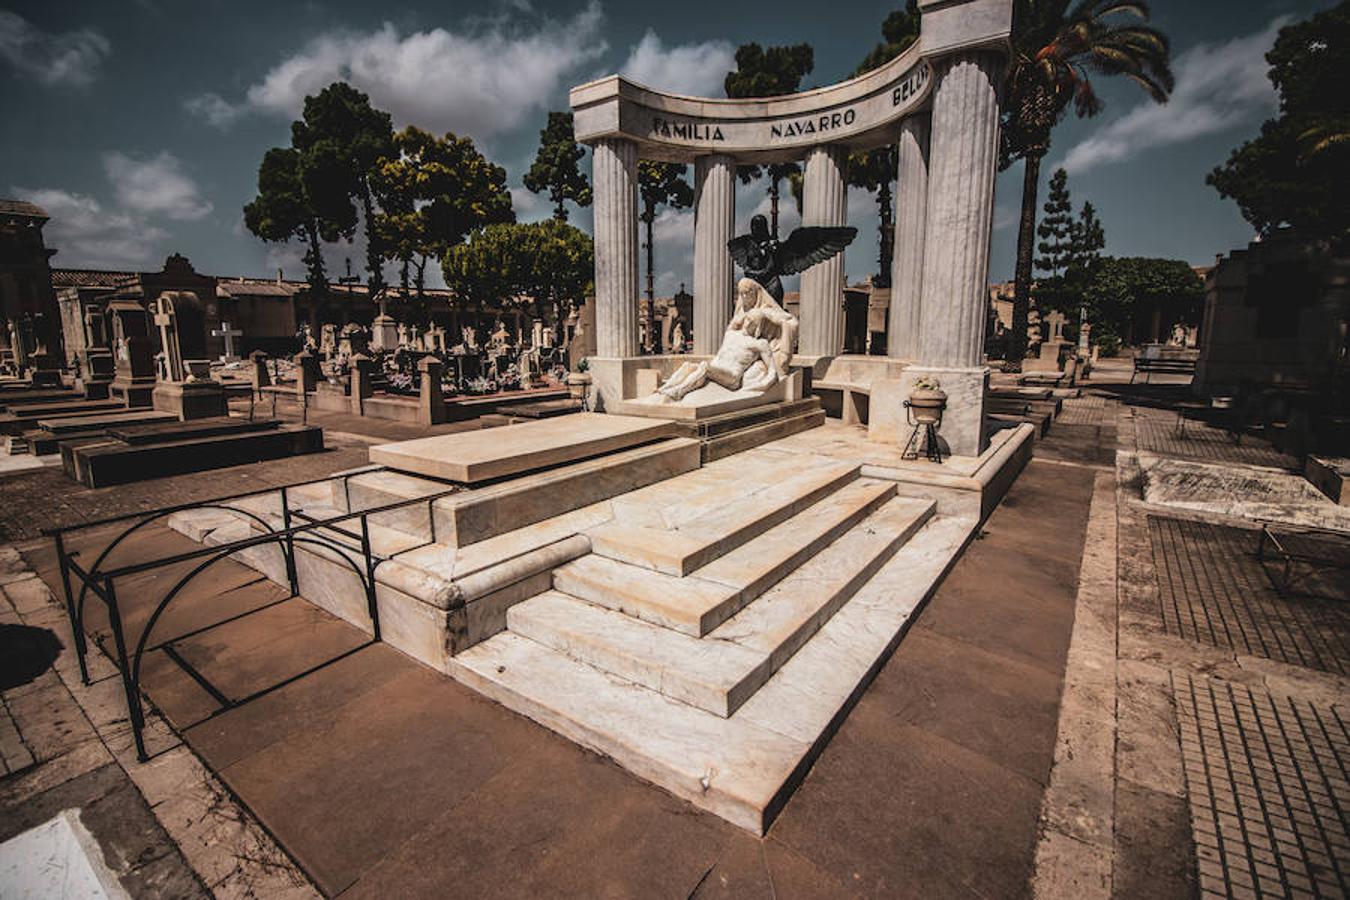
x,y
1269,797
1213,589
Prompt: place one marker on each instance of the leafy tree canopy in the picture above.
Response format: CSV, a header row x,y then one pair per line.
x,y
1294,172
1113,288
899,30
770,72
432,193
550,261
341,138
555,167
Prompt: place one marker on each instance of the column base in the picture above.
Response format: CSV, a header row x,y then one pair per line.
x,y
962,431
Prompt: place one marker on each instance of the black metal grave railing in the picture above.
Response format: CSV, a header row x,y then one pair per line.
x,y
326,533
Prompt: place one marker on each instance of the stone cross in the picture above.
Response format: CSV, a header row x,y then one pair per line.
x,y
168,339
228,334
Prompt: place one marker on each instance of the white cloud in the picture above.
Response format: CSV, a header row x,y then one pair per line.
x,y
157,185
1218,87
480,81
529,206
1005,217
214,109
70,59
85,234
694,69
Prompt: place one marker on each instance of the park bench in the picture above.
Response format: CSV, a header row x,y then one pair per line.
x,y
1162,366
1317,549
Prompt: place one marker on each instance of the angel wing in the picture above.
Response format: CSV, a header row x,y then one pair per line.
x,y
812,244
739,248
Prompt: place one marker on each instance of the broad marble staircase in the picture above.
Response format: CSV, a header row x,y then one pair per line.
x,y
708,631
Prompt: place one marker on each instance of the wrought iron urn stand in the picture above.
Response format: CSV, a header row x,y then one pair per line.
x,y
926,432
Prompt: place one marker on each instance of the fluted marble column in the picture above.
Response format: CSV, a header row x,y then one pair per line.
x,y
614,171
911,214
824,202
963,157
714,223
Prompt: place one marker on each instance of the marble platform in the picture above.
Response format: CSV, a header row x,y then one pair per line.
x,y
478,456
706,626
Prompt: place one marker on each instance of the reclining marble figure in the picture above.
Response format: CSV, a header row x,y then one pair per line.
x,y
754,354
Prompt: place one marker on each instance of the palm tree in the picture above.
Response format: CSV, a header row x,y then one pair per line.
x,y
1055,50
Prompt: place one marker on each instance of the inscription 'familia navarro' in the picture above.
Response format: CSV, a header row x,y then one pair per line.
x,y
690,131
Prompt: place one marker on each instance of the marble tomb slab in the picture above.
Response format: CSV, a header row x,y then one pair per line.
x,y
477,456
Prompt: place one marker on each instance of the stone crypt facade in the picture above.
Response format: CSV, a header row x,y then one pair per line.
x,y
939,102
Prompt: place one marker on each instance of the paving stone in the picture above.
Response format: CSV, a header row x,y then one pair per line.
x,y
1244,730
1212,590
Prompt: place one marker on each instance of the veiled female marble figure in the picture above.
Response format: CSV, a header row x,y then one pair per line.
x,y
755,349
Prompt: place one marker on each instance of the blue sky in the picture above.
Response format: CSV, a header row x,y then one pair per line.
x,y
140,125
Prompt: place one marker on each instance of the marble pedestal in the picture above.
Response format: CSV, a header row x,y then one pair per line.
x,y
190,399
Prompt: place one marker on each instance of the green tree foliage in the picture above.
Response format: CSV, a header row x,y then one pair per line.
x,y
1057,47
899,30
548,263
1294,172
555,166
660,184
1056,226
1088,238
285,208
770,72
432,193
1118,286
1076,251
874,170
341,138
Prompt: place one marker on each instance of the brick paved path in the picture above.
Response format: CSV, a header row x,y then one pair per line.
x,y
1214,591
1269,796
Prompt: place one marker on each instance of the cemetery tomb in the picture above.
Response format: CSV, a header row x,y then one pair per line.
x,y
701,591
129,453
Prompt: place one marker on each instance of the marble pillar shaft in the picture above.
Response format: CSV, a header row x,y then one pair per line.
x,y
911,215
963,158
614,170
824,202
714,225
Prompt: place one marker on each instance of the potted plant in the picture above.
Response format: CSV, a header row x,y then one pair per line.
x,y
927,399
579,381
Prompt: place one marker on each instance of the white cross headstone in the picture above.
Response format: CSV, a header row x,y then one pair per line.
x,y
168,339
228,334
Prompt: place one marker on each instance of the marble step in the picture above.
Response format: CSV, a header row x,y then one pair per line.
x,y
716,676
719,672
698,603
787,615
478,514
712,526
745,767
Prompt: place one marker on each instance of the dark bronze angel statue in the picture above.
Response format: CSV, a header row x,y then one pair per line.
x,y
764,258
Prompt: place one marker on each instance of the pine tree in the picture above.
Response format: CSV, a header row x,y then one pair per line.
x,y
1087,239
1056,228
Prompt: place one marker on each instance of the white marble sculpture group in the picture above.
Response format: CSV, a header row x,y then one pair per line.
x,y
755,350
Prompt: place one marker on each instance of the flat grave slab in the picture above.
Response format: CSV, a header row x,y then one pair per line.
x,y
543,409
159,432
66,424
476,456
